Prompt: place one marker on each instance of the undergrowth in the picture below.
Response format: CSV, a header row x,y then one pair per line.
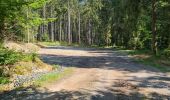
x,y
160,61
9,63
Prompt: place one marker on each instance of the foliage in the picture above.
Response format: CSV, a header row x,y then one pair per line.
x,y
29,57
9,56
166,53
160,62
124,23
4,80
45,37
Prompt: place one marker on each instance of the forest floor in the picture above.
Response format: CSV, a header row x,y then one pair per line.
x,y
99,74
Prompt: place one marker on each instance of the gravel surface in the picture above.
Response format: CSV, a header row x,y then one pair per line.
x,y
100,74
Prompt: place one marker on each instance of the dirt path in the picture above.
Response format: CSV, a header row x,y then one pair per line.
x,y
106,74
101,74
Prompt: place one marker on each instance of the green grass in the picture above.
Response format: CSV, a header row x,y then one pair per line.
x,y
56,43
51,43
4,80
147,58
52,77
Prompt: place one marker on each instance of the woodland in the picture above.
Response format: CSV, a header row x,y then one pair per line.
x,y
132,24
110,43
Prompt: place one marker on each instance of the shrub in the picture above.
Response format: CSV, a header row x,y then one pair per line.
x,y
4,80
45,37
30,57
166,53
8,57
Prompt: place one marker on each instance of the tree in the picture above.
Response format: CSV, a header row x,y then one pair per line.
x,y
154,35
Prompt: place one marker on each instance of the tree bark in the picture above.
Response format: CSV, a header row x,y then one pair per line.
x,y
44,16
154,34
89,33
60,29
69,34
52,30
79,29
28,34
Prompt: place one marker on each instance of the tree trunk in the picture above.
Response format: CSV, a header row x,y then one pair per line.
x,y
89,33
44,16
28,35
79,29
2,31
52,30
154,35
60,29
69,34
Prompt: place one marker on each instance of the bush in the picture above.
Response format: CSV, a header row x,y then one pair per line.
x,y
8,57
4,80
30,57
166,53
45,37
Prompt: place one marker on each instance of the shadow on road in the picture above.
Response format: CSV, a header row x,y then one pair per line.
x,y
32,93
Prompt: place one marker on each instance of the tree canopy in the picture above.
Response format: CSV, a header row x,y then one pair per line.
x,y
134,24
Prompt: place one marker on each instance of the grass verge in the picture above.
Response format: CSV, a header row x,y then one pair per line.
x,y
56,43
147,58
52,77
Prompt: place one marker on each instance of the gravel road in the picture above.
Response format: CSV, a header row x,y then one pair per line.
x,y
99,74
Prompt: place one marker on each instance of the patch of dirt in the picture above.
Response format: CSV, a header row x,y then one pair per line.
x,y
22,47
125,84
141,56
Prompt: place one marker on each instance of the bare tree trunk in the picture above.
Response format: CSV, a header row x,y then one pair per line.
x,y
52,28
66,29
93,40
2,31
69,34
154,35
28,34
60,29
79,29
44,16
89,33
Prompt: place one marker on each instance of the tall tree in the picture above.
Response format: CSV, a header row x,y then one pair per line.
x,y
154,34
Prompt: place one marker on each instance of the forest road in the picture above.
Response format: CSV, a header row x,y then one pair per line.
x,y
99,74
103,74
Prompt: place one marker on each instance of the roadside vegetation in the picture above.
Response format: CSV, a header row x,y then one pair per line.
x,y
52,77
160,61
19,60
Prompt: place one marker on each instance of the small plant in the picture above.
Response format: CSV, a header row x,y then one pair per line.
x,y
34,56
8,57
30,57
45,37
166,53
4,80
